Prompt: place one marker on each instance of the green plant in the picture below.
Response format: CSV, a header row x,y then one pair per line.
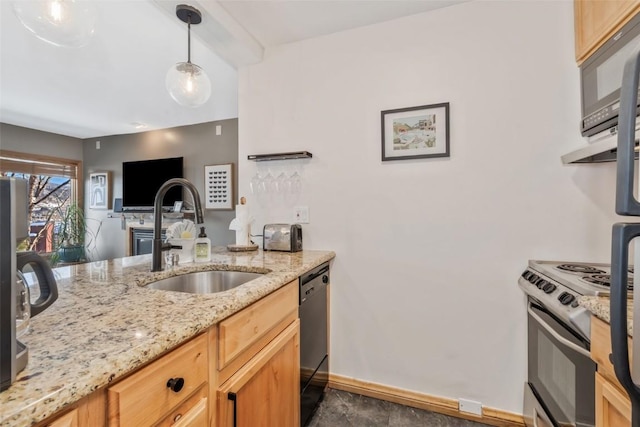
x,y
73,227
73,237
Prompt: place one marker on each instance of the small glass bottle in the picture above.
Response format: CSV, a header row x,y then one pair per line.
x,y
203,247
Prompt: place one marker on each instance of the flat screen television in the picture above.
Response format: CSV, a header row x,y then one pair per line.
x,y
142,179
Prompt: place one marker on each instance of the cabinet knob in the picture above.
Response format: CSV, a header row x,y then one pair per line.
x,y
175,384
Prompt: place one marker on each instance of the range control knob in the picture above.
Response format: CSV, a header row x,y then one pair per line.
x,y
548,288
566,298
533,278
325,279
540,283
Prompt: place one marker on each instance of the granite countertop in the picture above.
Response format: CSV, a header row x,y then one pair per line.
x,y
599,307
105,323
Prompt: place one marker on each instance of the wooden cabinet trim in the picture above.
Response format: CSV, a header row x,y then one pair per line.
x,y
613,408
196,417
246,327
70,419
180,412
601,349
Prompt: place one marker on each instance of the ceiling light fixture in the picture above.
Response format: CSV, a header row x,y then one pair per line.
x,y
64,23
186,82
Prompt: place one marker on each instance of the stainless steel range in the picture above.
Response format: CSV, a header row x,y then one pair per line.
x,y
557,285
560,388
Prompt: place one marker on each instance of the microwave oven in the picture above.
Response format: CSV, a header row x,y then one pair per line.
x,y
601,76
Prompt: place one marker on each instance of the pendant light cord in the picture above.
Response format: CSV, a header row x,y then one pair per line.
x,y
189,39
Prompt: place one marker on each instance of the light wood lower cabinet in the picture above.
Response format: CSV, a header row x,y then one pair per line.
x,y
273,372
259,365
613,407
70,419
147,396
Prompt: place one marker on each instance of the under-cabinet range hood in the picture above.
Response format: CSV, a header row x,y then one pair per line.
x,y
602,147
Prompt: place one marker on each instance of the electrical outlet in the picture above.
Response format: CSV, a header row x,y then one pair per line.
x,y
301,214
470,406
218,130
97,145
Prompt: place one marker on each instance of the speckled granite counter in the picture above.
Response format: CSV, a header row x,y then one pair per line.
x,y
599,307
105,323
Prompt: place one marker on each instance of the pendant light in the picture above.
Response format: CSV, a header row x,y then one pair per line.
x,y
64,23
186,82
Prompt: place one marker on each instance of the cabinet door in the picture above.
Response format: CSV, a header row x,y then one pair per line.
x,y
266,390
613,408
597,20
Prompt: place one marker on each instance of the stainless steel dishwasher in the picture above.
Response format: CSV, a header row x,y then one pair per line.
x,y
314,357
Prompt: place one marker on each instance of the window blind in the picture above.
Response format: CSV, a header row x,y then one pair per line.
x,y
20,163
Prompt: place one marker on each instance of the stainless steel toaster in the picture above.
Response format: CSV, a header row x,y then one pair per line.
x,y
282,237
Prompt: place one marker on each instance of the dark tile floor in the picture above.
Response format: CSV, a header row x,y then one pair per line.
x,y
342,409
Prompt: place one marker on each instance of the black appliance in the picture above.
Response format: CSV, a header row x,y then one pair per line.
x,y
600,77
314,357
622,235
14,269
142,179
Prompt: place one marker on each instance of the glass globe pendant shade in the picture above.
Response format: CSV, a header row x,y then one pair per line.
x,y
188,84
64,23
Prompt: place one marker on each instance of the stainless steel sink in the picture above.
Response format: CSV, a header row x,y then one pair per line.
x,y
204,282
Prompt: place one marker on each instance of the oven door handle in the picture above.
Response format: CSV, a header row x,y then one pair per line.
x,y
562,340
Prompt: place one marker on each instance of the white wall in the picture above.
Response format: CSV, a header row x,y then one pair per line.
x,y
425,293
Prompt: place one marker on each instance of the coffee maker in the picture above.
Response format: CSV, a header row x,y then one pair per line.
x,y
13,229
19,272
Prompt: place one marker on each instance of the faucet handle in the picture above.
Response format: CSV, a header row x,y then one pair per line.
x,y
171,259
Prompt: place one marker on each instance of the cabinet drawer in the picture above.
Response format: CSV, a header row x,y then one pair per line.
x,y
144,397
70,419
601,349
192,412
247,326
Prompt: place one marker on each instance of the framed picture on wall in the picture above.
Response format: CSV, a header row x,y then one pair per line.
x,y
100,190
218,186
415,132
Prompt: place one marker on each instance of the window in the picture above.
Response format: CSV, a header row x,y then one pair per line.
x,y
54,184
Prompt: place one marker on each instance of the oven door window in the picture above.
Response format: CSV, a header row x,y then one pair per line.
x,y
561,376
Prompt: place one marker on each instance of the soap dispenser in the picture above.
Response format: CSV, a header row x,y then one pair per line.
x,y
203,247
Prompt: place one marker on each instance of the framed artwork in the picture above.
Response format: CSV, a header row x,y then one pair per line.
x,y
100,190
415,132
218,186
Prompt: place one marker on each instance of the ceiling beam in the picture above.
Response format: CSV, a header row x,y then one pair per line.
x,y
220,32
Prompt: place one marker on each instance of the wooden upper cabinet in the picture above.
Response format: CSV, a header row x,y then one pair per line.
x,y
597,20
